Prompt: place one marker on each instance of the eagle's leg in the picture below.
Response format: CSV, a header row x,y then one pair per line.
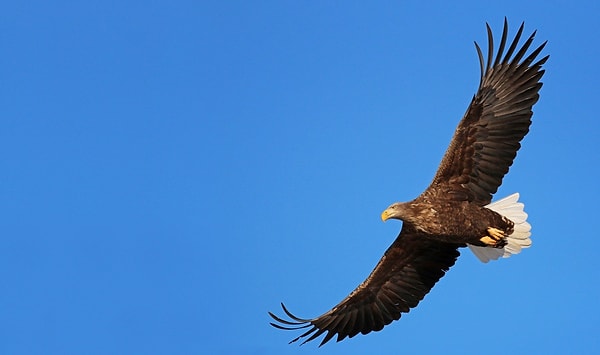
x,y
494,238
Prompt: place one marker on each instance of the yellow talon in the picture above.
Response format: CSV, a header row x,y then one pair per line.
x,y
489,241
495,233
494,238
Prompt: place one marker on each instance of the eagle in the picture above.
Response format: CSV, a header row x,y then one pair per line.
x,y
456,210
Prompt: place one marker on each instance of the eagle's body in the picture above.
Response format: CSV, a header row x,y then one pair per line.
x,y
456,209
450,221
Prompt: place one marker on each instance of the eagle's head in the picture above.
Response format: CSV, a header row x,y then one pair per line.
x,y
396,210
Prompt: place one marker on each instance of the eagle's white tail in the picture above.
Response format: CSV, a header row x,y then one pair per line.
x,y
510,208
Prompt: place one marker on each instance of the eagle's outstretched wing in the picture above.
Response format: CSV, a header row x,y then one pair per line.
x,y
404,275
487,138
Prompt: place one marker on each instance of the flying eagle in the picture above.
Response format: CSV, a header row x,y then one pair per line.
x,y
456,209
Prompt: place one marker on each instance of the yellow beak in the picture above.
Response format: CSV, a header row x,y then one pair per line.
x,y
385,215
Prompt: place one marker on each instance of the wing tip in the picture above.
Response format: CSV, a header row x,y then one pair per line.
x,y
508,56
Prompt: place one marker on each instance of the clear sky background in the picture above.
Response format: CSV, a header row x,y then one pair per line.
x,y
172,170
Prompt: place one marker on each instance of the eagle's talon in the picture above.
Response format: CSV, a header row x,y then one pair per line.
x,y
495,233
489,241
494,238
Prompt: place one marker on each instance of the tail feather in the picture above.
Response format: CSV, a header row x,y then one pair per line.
x,y
510,208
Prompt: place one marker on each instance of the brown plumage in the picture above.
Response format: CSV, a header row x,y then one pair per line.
x,y
455,209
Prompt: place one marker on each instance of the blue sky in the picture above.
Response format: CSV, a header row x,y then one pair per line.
x,y
171,171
